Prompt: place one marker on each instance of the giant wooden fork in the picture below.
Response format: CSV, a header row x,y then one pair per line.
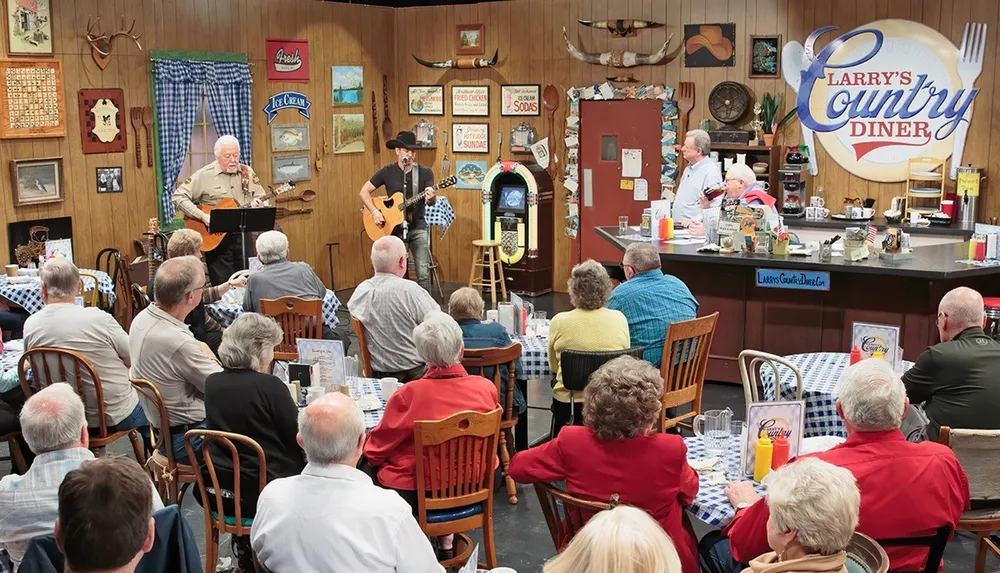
x,y
685,101
970,65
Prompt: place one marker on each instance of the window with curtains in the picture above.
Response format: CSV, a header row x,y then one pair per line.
x,y
201,152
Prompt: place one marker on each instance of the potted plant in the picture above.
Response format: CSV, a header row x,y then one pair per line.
x,y
770,106
779,242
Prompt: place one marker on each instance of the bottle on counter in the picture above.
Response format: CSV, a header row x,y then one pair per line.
x,y
855,355
762,461
779,454
878,353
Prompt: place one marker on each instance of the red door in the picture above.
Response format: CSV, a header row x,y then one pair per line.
x,y
607,127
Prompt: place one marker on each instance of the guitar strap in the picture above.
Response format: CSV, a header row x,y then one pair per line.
x,y
414,190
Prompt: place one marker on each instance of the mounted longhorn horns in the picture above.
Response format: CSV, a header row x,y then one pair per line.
x,y
618,58
621,28
461,63
100,45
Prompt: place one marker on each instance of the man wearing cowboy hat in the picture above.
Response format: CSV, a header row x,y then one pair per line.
x,y
397,177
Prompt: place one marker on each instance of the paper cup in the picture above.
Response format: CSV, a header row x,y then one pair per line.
x,y
389,385
11,270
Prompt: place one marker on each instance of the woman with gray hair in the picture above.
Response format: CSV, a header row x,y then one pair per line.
x,y
589,326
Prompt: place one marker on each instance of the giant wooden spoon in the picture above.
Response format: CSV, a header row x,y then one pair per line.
x,y
550,99
307,196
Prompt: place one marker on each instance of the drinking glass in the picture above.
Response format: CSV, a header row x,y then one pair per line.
x,y
622,225
351,366
716,433
736,451
539,315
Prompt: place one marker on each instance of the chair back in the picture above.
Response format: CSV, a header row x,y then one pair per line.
x,y
864,555
107,261
140,300
935,544
455,461
978,451
366,359
160,438
227,443
478,360
90,297
750,365
298,318
685,359
123,286
46,366
578,365
574,514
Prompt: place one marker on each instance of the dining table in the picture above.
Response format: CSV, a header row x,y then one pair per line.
x,y
26,291
226,309
711,505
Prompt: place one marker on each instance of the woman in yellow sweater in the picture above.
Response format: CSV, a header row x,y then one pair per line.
x,y
589,326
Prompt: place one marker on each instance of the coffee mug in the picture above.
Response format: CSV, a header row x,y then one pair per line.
x,y
811,212
714,155
741,158
389,385
822,212
764,185
11,270
817,202
727,162
867,212
856,212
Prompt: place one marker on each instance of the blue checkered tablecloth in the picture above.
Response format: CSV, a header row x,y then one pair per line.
x,y
363,387
230,306
12,351
440,214
821,372
711,504
28,295
534,357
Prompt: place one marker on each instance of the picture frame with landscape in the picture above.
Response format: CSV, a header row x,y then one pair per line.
x,y
470,39
348,133
36,181
29,27
348,85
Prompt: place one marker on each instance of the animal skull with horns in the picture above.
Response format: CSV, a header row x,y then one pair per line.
x,y
461,63
618,58
621,28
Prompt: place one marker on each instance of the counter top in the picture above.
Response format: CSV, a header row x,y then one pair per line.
x,y
928,262
953,230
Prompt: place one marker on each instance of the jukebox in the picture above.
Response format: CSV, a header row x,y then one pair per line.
x,y
517,211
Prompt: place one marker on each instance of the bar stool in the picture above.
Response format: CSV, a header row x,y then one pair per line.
x,y
482,252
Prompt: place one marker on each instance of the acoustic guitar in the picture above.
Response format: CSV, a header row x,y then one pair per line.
x,y
394,208
211,241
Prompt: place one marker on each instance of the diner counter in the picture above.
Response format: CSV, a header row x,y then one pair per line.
x,y
953,230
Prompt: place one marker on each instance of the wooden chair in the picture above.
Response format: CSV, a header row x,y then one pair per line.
x,y
864,555
486,255
750,364
107,261
16,455
455,461
935,544
685,359
91,297
366,359
563,525
298,318
74,370
979,453
578,365
171,478
139,300
216,521
477,361
123,286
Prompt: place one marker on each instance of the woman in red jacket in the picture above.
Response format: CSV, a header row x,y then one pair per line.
x,y
612,453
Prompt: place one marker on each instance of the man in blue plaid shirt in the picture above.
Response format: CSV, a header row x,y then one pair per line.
x,y
650,300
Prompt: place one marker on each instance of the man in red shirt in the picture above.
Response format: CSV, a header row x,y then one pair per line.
x,y
907,490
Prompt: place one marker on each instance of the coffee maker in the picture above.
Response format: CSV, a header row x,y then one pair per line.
x,y
795,181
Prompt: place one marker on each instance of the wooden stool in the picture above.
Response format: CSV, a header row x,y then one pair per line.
x,y
484,251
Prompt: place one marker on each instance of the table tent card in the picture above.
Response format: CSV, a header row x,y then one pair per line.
x,y
784,418
327,360
871,337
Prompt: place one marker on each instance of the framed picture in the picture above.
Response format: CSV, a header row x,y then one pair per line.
x,y
29,27
26,239
36,181
290,137
470,101
765,56
521,100
348,133
348,85
470,138
291,168
33,104
425,100
102,120
109,179
287,60
470,174
709,45
470,39
59,249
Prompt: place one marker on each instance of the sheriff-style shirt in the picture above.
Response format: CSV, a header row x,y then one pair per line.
x,y
210,185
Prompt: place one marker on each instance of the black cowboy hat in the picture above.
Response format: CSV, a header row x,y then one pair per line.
x,y
404,139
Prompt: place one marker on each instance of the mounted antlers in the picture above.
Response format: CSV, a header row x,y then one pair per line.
x,y
100,45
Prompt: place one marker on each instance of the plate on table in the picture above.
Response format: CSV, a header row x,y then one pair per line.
x,y
843,217
925,174
369,403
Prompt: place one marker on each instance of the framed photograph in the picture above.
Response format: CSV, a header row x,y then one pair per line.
x,y
287,60
765,56
425,100
709,45
348,133
102,120
470,39
521,100
291,168
32,105
109,179
36,181
470,138
470,174
290,137
29,27
348,85
470,101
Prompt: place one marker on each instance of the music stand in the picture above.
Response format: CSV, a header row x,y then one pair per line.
x,y
242,221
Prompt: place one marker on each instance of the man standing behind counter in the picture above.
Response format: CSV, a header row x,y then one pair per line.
x,y
701,173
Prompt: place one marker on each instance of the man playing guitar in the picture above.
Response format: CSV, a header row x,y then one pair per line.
x,y
398,178
224,178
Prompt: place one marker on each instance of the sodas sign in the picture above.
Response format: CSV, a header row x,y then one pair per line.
x,y
882,94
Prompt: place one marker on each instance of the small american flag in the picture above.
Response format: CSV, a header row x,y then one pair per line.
x,y
872,233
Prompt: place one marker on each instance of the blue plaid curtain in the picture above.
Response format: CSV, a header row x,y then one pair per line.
x,y
178,86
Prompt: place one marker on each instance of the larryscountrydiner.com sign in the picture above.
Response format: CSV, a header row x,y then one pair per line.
x,y
800,280
882,94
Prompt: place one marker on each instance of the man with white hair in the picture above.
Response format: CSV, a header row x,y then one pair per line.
x,y
700,174
224,178
907,489
390,307
957,378
54,425
332,517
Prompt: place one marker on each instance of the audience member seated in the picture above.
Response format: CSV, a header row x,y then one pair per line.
x,y
907,489
620,540
165,352
390,307
55,427
466,307
814,510
12,321
650,300
92,333
589,326
11,402
957,378
332,517
444,390
613,452
245,399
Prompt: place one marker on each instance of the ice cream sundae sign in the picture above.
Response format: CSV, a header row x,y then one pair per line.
x,y
882,94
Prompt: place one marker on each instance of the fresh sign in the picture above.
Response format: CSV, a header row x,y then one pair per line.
x,y
287,60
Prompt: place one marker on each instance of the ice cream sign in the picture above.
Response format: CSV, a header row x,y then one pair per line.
x,y
884,93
